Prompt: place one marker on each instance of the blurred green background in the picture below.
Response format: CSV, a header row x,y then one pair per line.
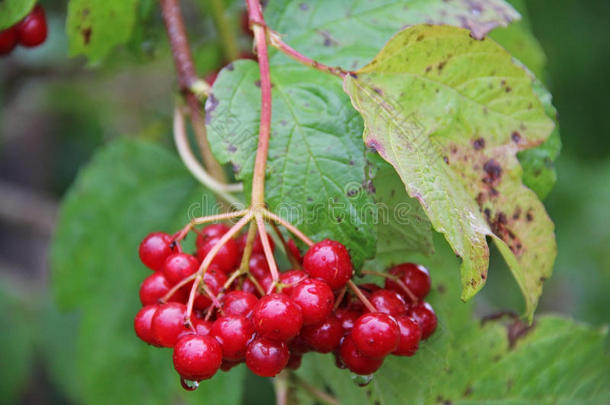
x,y
56,110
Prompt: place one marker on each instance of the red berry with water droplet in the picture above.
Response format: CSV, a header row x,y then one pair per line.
x,y
355,361
325,337
239,303
197,357
227,257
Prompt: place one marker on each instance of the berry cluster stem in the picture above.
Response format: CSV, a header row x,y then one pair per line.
x,y
395,279
361,296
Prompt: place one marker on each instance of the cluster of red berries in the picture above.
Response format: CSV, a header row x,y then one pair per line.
x,y
29,32
234,321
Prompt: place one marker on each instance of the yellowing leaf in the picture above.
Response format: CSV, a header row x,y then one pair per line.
x,y
450,113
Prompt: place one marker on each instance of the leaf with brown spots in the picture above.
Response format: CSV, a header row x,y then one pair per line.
x,y
429,123
95,27
348,33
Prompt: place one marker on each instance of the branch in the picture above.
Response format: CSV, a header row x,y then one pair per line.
x,y
276,41
187,78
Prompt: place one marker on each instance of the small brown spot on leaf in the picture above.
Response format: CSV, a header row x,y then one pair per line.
x,y
493,171
86,35
478,143
378,91
441,65
529,216
428,69
420,37
515,136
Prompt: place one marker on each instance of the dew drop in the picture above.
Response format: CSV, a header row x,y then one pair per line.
x,y
362,380
189,385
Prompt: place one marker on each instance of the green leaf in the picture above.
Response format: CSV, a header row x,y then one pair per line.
x,y
450,113
16,341
402,224
13,11
129,189
315,171
349,33
95,28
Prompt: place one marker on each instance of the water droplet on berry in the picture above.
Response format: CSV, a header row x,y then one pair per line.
x,y
362,380
189,385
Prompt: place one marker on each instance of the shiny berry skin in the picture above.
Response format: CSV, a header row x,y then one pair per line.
x,y
227,257
414,276
154,249
325,337
266,357
197,357
214,280
211,231
143,324
424,315
155,287
259,266
376,334
202,327
410,335
315,298
248,286
32,30
179,266
388,302
233,333
239,303
291,278
354,360
8,40
329,260
348,318
168,323
257,245
277,317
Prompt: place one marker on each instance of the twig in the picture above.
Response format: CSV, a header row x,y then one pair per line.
x,y
295,231
361,296
277,42
187,77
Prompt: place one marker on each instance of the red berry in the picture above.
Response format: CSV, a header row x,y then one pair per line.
x,y
154,249
179,266
323,338
348,318
414,276
376,334
248,286
257,245
32,30
369,288
265,282
315,298
202,327
329,261
410,334
239,303
357,362
389,302
233,333
277,317
294,251
211,231
424,315
155,287
143,324
291,278
227,257
266,358
197,357
294,361
214,281
8,40
299,346
168,323
259,266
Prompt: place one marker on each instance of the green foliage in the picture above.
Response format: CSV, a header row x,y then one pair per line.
x,y
96,269
12,11
451,127
96,27
349,33
315,171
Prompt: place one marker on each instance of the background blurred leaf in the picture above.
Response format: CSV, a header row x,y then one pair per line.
x,y
129,189
96,27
